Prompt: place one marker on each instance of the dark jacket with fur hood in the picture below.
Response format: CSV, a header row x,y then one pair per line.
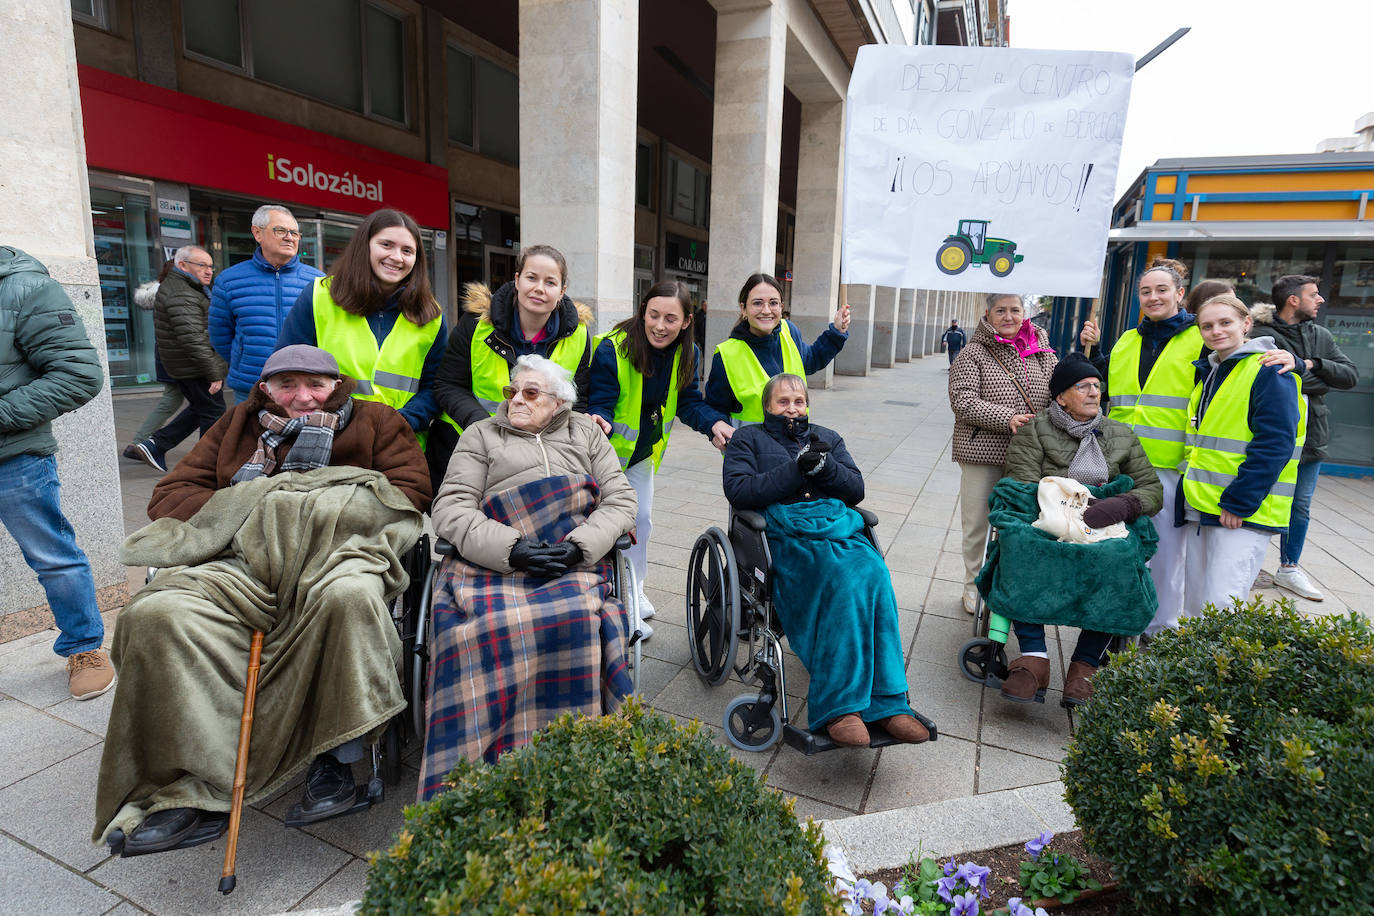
x,y
1330,369
376,438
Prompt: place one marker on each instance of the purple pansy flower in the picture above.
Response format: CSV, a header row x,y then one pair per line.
x,y
946,887
1037,845
965,905
975,876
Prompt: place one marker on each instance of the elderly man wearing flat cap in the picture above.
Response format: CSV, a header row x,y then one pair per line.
x,y
288,517
1073,438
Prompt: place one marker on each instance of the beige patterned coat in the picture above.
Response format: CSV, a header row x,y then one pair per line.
x,y
988,385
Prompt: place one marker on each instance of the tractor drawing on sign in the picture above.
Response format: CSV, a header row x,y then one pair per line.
x,y
971,245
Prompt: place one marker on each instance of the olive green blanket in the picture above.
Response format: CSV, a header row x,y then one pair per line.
x,y
313,560
1032,577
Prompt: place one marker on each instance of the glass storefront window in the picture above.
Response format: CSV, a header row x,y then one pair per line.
x,y
485,244
1252,267
126,256
1352,280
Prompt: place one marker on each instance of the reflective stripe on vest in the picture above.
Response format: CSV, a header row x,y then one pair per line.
x,y
389,373
1217,448
1160,414
629,406
491,372
746,376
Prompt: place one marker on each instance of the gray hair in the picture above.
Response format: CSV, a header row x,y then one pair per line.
x,y
260,215
185,251
559,380
783,378
993,297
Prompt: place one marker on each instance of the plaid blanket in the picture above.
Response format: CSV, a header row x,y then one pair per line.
x,y
511,653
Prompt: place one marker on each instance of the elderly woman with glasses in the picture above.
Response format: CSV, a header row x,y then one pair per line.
x,y
1073,438
524,626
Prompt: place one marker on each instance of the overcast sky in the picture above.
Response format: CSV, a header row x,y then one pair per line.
x,y
1257,77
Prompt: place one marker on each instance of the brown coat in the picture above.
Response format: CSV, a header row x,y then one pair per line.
x,y
493,455
984,396
376,438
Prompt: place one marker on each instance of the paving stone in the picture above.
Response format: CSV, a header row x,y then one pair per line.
x,y
1037,729
52,810
916,774
939,639
910,588
34,740
34,675
1047,801
345,886
837,777
950,566
817,811
92,715
1000,769
947,698
33,884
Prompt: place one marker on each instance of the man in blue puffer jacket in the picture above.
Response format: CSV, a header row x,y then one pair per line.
x,y
251,299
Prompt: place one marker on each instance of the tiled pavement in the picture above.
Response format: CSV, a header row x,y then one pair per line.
x,y
991,778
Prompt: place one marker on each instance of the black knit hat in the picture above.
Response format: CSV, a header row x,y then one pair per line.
x,y
1071,370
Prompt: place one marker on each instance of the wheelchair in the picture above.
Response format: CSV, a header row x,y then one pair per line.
x,y
413,619
729,602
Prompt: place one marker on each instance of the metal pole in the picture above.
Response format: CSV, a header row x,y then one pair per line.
x,y
1162,47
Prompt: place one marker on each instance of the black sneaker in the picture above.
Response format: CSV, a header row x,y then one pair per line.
x,y
148,451
329,789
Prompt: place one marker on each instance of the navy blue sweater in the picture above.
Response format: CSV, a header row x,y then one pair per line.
x,y
422,408
692,408
768,351
761,466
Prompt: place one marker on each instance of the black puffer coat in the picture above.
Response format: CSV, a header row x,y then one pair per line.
x,y
181,320
761,466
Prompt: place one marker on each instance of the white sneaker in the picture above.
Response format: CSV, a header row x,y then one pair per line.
x,y
646,609
1295,580
645,631
970,601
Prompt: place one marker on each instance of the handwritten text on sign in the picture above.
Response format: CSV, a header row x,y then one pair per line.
x,y
982,169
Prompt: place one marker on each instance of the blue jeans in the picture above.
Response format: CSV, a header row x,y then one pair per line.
x,y
1291,542
30,508
1090,649
240,396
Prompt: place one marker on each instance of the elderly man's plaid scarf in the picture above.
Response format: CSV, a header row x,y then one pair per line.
x,y
314,441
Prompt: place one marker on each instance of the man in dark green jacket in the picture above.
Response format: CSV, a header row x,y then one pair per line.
x,y
1290,321
47,368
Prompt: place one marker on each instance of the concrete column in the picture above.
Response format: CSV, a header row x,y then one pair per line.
x,y
578,102
746,144
816,277
884,353
45,210
906,324
856,357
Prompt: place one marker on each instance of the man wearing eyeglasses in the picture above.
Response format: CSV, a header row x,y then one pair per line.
x,y
180,320
251,299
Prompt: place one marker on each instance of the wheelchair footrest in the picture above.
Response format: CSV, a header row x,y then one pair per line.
x,y
810,743
364,797
211,827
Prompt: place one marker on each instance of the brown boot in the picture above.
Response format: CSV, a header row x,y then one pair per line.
x,y
1026,680
848,731
907,729
1078,683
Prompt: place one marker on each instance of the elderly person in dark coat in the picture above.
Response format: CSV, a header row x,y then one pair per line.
x,y
288,517
831,587
1072,438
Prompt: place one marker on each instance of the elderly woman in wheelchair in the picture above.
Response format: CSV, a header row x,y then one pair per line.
x,y
524,624
1102,582
284,527
831,589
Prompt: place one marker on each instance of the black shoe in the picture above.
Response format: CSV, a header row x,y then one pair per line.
x,y
329,789
174,828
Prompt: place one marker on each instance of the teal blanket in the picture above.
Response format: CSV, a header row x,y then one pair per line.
x,y
1032,577
833,594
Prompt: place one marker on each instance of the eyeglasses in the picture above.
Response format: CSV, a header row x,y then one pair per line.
x,y
529,392
1087,386
200,265
282,232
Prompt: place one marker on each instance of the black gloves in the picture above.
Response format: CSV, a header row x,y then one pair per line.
x,y
544,560
812,458
1113,509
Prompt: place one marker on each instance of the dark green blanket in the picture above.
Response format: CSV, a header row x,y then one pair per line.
x,y
833,593
1032,577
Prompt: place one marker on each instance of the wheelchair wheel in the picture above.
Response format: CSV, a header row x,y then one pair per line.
x,y
746,726
712,607
627,590
981,657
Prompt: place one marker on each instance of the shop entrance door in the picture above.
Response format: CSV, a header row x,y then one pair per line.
x,y
126,256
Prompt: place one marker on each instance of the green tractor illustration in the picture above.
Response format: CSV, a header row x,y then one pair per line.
x,y
971,245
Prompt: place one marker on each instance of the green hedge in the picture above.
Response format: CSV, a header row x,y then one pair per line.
x,y
1230,768
630,813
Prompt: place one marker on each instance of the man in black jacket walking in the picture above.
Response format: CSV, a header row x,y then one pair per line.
x,y
953,340
1324,367
181,322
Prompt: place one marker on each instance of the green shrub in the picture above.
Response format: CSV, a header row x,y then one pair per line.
x,y
629,813
1230,769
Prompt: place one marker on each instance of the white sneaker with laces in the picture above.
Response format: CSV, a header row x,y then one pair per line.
x,y
1295,580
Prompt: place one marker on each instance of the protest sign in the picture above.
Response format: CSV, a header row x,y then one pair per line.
x,y
982,169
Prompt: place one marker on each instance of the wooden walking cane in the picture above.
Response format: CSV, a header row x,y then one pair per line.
x,y
250,695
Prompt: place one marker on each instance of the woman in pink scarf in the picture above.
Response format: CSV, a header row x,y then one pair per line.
x,y
997,383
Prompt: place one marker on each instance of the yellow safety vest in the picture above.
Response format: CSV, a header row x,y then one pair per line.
x,y
491,372
1159,414
1216,448
389,373
629,407
746,376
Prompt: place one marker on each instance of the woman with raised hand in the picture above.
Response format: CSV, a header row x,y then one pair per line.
x,y
762,344
643,377
375,313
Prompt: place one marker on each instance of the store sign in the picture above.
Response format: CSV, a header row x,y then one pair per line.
x,y
684,254
166,207
174,228
137,129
